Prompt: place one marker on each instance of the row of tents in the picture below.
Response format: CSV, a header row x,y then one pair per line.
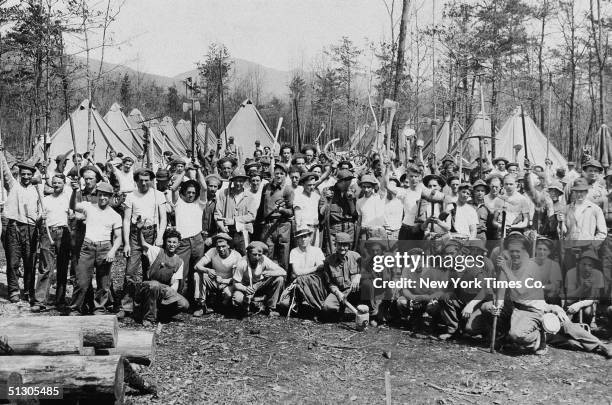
x,y
125,134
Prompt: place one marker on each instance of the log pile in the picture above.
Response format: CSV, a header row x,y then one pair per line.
x,y
88,356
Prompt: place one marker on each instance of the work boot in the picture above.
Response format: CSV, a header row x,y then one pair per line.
x,y
604,351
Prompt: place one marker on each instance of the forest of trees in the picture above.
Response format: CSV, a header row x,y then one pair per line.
x,y
523,52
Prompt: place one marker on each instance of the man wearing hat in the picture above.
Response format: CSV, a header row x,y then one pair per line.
x,y
338,208
572,174
306,207
557,196
235,211
100,246
584,220
124,175
232,150
500,164
513,168
274,216
342,277
148,205
371,210
22,209
307,291
214,274
591,172
257,280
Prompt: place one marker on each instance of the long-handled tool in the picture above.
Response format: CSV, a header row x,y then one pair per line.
x,y
501,251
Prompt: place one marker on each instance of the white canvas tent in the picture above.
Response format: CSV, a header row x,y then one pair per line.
x,y
184,129
129,132
511,134
442,138
104,138
173,139
206,134
136,119
470,145
247,126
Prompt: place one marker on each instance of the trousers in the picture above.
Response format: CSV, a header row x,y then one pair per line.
x,y
137,265
154,298
190,250
267,291
277,236
21,243
54,261
93,259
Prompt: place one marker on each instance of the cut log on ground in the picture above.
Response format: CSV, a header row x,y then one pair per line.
x,y
98,331
38,339
138,346
89,379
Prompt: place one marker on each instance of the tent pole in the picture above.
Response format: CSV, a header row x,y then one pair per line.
x,y
549,110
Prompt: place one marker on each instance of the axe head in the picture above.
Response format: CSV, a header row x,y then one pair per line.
x,y
518,147
390,103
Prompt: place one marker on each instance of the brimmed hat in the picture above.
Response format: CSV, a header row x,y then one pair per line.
x,y
556,185
265,161
93,169
239,174
430,177
580,184
177,161
221,235
344,175
512,164
590,254
27,166
252,164
500,159
162,174
481,183
143,170
284,168
63,157
307,176
302,232
343,237
104,187
368,179
592,163
465,185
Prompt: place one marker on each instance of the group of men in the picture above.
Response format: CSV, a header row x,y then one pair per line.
x,y
296,234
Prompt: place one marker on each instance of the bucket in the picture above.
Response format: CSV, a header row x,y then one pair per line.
x,y
551,323
362,317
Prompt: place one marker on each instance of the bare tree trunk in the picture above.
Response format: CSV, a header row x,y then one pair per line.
x,y
541,64
399,66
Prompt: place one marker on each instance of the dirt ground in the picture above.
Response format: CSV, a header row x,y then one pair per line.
x,y
273,360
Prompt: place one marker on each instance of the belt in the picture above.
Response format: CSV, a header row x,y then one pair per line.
x,y
145,228
280,220
101,243
58,227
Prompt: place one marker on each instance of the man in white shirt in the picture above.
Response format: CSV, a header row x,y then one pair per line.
x,y
394,213
189,207
306,207
102,241
307,292
55,252
464,219
22,210
584,220
371,210
124,175
146,204
214,274
257,279
500,164
514,204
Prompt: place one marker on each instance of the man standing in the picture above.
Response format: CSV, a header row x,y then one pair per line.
x,y
232,150
371,210
274,217
22,211
338,209
209,225
124,175
55,252
286,154
584,220
464,219
98,252
235,211
306,207
148,205
514,204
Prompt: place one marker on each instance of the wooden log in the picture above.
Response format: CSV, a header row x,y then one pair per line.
x,y
99,331
42,341
88,379
138,346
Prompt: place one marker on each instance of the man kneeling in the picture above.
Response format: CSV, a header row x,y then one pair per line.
x,y
257,279
165,273
214,274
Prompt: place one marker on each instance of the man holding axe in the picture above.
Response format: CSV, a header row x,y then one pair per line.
x,y
342,277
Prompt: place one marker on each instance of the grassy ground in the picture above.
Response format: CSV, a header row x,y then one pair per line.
x,y
273,360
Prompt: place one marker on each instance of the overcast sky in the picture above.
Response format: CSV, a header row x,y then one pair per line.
x,y
167,37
